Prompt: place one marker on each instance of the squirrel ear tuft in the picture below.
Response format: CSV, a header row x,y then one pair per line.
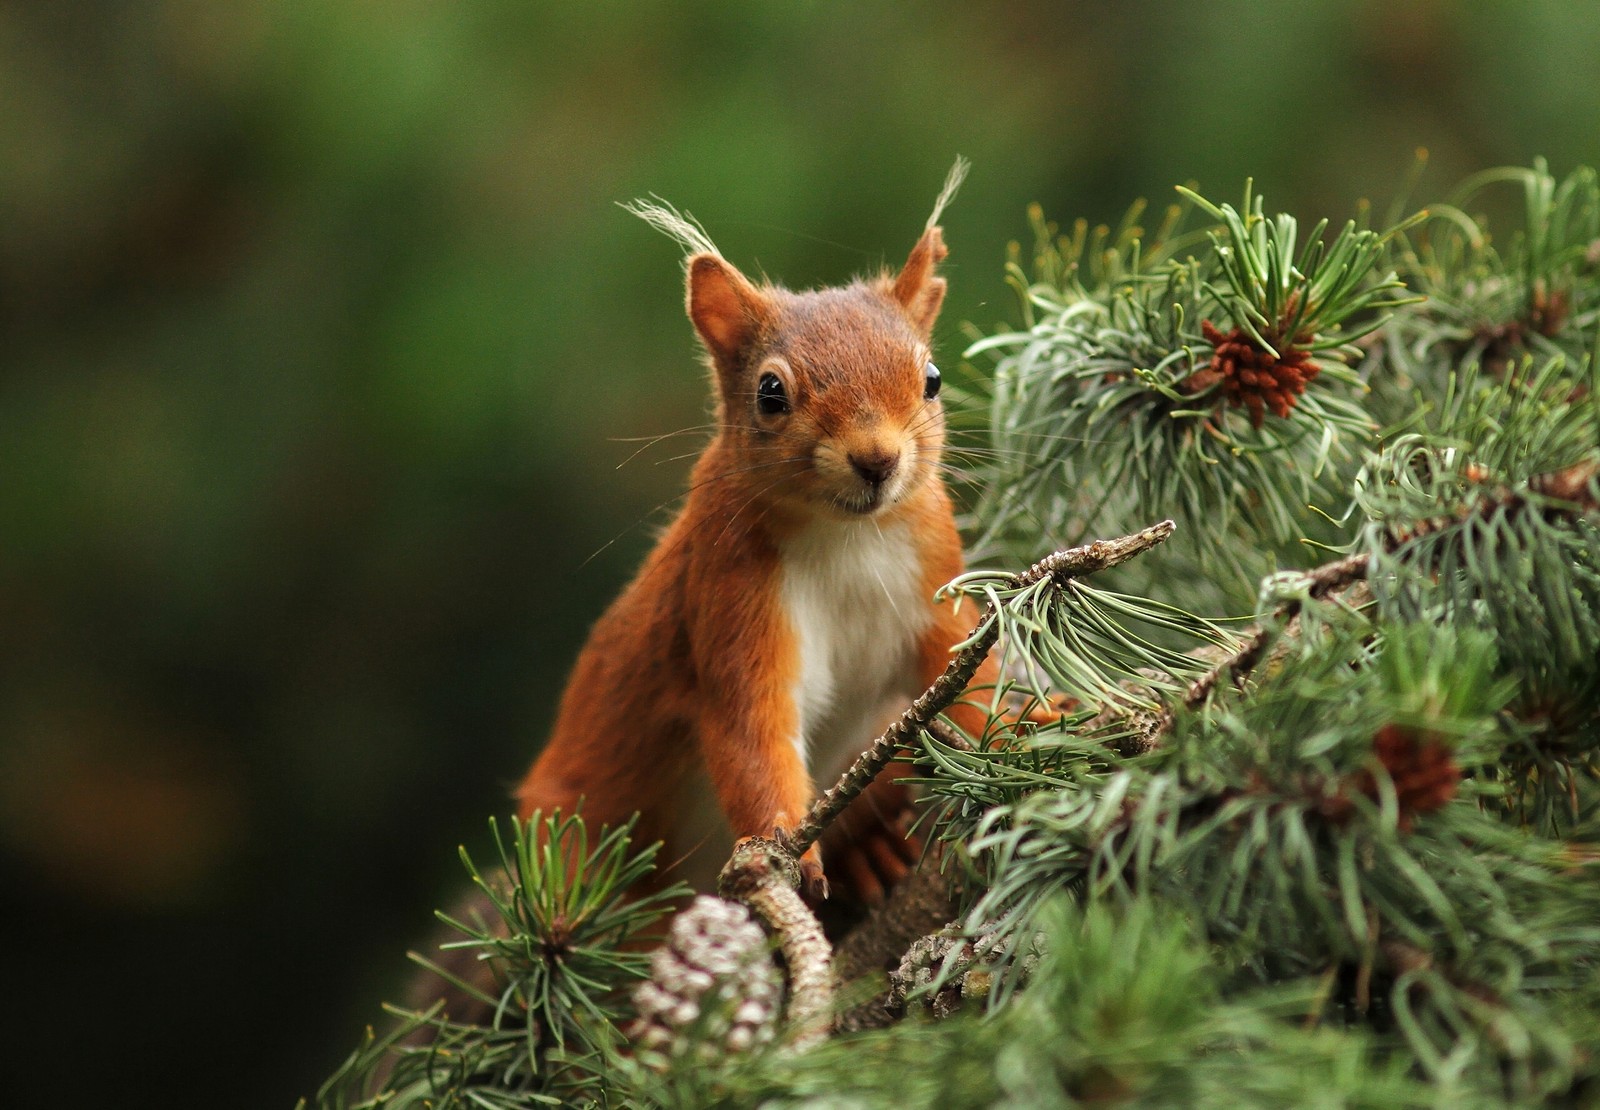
x,y
919,289
725,308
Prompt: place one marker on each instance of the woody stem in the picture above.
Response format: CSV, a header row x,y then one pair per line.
x,y
763,875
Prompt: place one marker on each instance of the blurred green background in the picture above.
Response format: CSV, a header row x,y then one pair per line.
x,y
321,337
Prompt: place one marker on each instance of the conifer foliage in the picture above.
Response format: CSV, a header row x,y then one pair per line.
x,y
1320,824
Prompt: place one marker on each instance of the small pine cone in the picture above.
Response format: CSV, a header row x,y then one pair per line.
x,y
1422,768
1250,376
713,987
972,959
916,972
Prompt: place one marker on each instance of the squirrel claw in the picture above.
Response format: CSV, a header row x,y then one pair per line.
x,y
813,883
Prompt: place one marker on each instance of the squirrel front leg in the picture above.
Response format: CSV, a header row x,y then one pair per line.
x,y
746,663
755,767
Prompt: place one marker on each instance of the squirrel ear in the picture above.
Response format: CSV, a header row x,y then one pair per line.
x,y
725,308
918,289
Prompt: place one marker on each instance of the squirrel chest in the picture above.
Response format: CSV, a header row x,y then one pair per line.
x,y
851,592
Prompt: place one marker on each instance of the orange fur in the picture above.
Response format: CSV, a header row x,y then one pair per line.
x,y
697,668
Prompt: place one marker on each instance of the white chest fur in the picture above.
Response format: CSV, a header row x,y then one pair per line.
x,y
852,591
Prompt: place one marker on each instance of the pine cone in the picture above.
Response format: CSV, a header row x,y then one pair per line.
x,y
1251,376
713,987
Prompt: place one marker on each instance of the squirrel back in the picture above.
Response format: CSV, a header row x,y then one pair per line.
x,y
786,613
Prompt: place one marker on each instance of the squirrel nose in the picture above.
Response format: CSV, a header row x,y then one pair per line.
x,y
875,467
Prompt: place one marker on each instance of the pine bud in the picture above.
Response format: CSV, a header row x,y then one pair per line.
x,y
1250,376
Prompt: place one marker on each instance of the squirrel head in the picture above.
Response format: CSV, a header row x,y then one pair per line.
x,y
829,397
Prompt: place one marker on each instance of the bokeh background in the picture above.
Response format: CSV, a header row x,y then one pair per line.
x,y
322,338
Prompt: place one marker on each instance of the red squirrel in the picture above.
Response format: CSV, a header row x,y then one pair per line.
x,y
787,613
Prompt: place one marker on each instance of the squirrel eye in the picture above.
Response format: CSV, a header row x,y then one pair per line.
x,y
771,400
930,383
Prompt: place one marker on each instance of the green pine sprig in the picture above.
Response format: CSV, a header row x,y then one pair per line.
x,y
1112,396
561,917
1323,298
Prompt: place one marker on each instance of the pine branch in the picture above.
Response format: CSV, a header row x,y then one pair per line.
x,y
1574,485
763,873
1316,584
1061,567
1188,385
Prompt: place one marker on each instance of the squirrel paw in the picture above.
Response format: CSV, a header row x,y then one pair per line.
x,y
813,883
869,846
